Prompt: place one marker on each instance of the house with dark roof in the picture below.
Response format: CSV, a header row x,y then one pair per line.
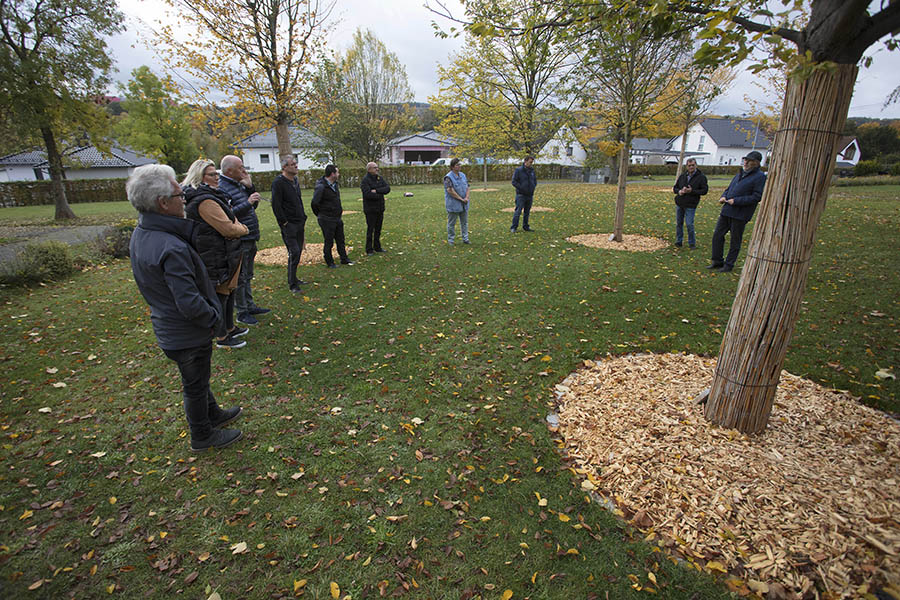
x,y
260,150
422,148
847,152
82,162
724,141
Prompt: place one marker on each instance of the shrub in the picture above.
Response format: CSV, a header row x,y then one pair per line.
x,y
38,262
114,242
895,168
866,167
871,180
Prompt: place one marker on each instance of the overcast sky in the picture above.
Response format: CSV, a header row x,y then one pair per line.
x,y
405,27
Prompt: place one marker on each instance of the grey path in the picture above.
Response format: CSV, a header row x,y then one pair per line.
x,y
19,237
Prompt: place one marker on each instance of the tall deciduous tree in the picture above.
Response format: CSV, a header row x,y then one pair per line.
x,y
260,53
155,123
529,67
53,63
823,56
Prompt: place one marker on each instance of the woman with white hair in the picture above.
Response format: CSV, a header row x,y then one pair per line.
x,y
184,308
218,242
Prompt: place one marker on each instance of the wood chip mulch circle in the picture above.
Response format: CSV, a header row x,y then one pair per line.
x,y
473,189
278,256
810,508
533,209
629,243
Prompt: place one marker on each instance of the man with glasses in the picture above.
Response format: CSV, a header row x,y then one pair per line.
x,y
184,308
374,188
288,208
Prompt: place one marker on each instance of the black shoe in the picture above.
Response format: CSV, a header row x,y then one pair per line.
x,y
227,416
370,252
247,319
693,247
465,241
258,310
677,245
238,332
725,269
347,262
230,342
380,250
220,438
512,230
715,266
296,289
527,229
301,282
331,266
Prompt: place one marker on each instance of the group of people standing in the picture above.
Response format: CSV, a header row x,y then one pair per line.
x,y
193,252
738,202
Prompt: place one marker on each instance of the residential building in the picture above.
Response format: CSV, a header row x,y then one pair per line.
x,y
260,150
847,152
564,148
82,162
724,141
422,148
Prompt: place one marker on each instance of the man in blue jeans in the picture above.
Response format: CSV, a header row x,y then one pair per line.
x,y
184,308
235,181
525,181
690,186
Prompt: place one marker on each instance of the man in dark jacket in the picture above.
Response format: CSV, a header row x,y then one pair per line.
x,y
525,181
326,205
690,186
738,205
288,208
184,308
373,187
235,181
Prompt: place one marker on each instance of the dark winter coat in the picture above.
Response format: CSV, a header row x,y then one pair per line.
x,y
525,181
326,202
243,210
699,187
746,189
287,204
169,273
220,255
374,201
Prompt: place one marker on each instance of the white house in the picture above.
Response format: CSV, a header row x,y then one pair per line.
x,y
563,149
422,148
848,152
260,150
83,162
724,141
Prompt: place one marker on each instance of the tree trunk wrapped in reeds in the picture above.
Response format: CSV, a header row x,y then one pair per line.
x,y
773,279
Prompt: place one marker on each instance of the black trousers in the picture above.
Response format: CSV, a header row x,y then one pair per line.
x,y
333,232
374,219
293,235
200,405
727,225
226,323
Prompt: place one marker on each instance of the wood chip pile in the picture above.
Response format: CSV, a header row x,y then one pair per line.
x,y
810,508
278,256
629,243
533,209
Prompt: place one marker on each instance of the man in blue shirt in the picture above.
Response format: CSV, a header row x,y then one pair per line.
x,y
738,205
456,201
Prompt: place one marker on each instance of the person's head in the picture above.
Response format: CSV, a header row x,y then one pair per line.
x,y
289,166
529,160
153,189
691,165
372,168
455,165
752,160
201,170
331,173
233,167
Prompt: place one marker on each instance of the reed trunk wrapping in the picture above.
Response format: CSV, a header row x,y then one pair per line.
x,y
773,279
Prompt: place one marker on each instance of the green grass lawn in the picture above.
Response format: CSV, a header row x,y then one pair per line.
x,y
394,416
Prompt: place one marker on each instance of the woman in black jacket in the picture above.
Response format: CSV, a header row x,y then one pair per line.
x,y
218,242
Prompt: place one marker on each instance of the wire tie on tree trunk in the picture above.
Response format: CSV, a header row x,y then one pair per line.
x,y
779,262
745,385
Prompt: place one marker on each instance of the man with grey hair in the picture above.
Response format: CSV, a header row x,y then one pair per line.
x,y
374,188
235,181
288,208
184,308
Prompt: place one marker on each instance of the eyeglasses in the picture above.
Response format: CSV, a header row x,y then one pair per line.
x,y
178,195
213,174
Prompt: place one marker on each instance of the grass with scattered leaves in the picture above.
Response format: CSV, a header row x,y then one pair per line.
x,y
394,415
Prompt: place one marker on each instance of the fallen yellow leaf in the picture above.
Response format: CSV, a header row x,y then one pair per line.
x,y
335,591
563,518
298,584
507,594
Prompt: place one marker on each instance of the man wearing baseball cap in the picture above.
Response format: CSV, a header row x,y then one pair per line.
x,y
738,202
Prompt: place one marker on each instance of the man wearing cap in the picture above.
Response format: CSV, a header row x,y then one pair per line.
x,y
738,205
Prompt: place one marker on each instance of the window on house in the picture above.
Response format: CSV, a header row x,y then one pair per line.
x,y
721,160
569,150
702,140
263,159
850,152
